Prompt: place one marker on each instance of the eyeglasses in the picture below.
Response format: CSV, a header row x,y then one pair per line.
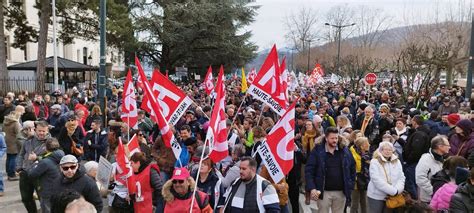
x,y
66,168
178,181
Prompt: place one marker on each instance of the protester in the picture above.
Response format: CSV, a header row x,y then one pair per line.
x,y
417,143
95,142
148,183
3,149
32,150
164,158
233,171
251,189
71,134
178,194
73,176
330,160
360,153
281,189
462,142
210,183
12,127
462,200
47,172
386,177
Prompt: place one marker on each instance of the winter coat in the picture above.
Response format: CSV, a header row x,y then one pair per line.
x,y
439,179
55,121
442,109
212,186
65,141
83,184
87,124
316,167
156,183
425,169
461,147
96,148
443,196
371,131
381,185
282,194
231,175
30,145
41,110
463,200
11,127
418,143
362,168
164,157
5,111
47,171
180,204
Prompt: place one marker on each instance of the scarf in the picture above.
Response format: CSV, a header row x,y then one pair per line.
x,y
308,140
400,132
364,124
437,156
71,127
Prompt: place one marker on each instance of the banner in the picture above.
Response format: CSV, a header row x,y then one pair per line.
x,y
267,85
129,106
208,83
277,151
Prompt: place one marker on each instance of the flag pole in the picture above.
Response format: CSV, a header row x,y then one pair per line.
x,y
197,175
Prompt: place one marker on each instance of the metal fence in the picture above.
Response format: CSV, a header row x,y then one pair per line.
x,y
18,84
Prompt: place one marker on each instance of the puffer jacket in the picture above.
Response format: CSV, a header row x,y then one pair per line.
x,y
463,200
30,145
180,204
47,171
11,127
443,196
83,184
425,169
316,167
379,187
461,147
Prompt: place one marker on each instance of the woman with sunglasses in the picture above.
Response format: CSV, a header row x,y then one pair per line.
x,y
148,184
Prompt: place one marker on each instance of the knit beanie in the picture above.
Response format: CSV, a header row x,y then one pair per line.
x,y
453,118
465,125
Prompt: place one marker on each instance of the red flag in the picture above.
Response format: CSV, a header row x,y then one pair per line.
x,y
267,86
277,151
252,75
208,84
173,101
124,170
284,82
129,106
133,145
217,133
166,133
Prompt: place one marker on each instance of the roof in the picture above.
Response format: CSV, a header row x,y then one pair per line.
x,y
63,65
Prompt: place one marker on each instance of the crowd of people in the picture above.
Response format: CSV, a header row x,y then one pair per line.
x,y
356,150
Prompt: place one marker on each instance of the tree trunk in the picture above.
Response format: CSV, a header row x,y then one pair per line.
x,y
449,77
45,12
4,83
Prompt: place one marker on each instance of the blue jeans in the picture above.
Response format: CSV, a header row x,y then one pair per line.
x,y
1,181
284,209
410,182
10,165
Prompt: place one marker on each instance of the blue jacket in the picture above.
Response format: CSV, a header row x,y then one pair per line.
x,y
315,168
96,148
3,145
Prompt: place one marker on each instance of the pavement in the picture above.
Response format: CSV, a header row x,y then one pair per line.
x,y
11,201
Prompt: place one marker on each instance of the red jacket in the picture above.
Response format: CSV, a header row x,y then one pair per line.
x,y
143,190
176,205
38,108
85,110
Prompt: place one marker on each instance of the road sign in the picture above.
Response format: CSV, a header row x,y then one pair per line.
x,y
370,78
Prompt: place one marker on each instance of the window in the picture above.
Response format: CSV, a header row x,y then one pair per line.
x,y
84,55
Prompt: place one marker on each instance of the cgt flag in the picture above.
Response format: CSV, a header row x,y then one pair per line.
x,y
267,86
129,106
284,82
173,101
208,84
124,169
277,151
217,133
133,145
156,114
252,75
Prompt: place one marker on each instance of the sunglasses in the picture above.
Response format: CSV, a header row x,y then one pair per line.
x,y
178,181
66,168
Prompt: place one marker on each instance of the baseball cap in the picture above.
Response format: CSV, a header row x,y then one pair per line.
x,y
68,159
180,174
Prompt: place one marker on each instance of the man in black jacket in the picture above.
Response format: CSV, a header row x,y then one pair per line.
x,y
418,143
74,177
95,142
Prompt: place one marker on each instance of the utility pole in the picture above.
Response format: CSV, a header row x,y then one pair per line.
x,y
471,64
339,30
102,76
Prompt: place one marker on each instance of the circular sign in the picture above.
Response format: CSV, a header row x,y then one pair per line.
x,y
370,78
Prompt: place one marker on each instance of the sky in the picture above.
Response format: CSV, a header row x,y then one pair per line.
x,y
269,26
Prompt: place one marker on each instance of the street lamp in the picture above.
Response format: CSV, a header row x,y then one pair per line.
x,y
339,29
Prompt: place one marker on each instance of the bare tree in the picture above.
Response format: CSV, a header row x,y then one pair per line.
x,y
45,12
301,27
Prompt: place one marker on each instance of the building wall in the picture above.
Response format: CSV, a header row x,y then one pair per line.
x,y
72,51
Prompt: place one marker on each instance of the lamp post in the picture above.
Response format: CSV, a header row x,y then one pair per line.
x,y
339,29
89,60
